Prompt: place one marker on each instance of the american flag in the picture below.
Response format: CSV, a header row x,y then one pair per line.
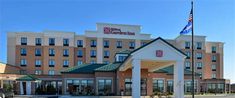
x,y
188,27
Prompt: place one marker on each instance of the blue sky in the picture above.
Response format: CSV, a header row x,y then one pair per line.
x,y
166,18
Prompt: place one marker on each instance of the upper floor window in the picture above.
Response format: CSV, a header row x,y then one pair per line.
x,y
23,40
79,53
119,44
199,65
79,43
213,59
106,62
66,63
199,55
106,44
187,65
213,76
143,43
93,53
38,52
23,62
38,72
66,52
121,58
213,49
106,54
93,43
51,52
213,67
80,62
132,45
38,63
65,42
23,52
92,62
51,41
51,72
51,63
188,54
187,45
199,45
38,41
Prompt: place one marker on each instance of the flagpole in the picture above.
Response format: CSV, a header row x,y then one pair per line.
x,y
192,53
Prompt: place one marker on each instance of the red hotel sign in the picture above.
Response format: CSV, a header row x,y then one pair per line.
x,y
159,53
109,30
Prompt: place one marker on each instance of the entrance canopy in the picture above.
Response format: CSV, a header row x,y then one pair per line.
x,y
155,55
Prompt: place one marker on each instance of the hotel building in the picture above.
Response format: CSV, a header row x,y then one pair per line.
x,y
109,61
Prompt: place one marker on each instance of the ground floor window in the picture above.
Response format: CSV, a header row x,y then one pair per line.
x,y
188,86
49,87
215,87
128,86
80,86
158,85
104,87
170,86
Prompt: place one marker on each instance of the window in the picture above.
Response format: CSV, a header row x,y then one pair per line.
x,y
79,43
23,40
38,63
119,44
106,62
121,58
143,43
170,86
199,55
93,62
200,74
93,53
187,45
38,72
106,44
79,53
93,43
213,76
188,54
128,86
51,41
23,72
66,63
23,52
213,67
80,86
38,41
104,86
199,45
66,42
51,72
213,49
199,65
213,59
51,63
79,62
188,86
131,45
37,52
66,52
106,54
158,85
23,62
51,52
187,65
